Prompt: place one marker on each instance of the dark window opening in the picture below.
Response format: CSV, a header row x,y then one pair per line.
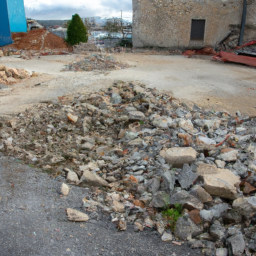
x,y
197,30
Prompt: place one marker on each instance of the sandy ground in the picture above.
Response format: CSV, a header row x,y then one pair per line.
x,y
218,86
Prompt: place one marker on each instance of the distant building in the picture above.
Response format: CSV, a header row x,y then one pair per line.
x,y
17,17
189,23
5,33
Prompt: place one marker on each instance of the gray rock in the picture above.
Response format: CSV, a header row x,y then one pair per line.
x,y
116,98
206,215
236,245
185,228
179,156
160,199
206,140
169,179
196,244
232,216
219,209
186,200
244,205
166,237
186,177
131,135
153,185
229,155
221,252
162,122
217,231
136,115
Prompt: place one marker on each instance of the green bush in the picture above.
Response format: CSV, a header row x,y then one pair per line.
x,y
76,31
172,215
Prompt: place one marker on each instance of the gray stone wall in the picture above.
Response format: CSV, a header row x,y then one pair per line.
x,y
167,23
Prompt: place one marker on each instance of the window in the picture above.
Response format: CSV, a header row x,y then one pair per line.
x,y
197,30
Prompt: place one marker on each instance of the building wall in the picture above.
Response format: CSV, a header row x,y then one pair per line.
x,y
167,23
5,34
17,17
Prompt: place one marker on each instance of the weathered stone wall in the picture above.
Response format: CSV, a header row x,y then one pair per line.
x,y
167,23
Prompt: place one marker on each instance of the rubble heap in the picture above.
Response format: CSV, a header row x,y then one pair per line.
x,y
151,160
95,62
12,75
35,42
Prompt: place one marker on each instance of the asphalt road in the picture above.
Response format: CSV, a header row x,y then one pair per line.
x,y
33,221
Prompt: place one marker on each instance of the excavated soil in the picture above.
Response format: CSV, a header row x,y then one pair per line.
x,y
39,39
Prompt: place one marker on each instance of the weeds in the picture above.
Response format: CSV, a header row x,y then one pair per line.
x,y
172,215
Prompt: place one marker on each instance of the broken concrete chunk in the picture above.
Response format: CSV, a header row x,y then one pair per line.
x,y
222,184
72,118
72,177
64,189
179,156
74,215
228,154
91,179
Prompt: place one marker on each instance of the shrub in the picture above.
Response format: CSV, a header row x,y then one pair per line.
x,y
76,31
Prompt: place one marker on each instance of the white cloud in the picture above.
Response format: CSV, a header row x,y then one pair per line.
x,y
64,9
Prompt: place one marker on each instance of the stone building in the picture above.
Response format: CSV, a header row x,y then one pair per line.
x,y
190,23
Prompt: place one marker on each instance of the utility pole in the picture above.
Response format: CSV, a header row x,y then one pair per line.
x,y
122,23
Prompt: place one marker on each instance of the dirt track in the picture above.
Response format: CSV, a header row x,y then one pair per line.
x,y
210,84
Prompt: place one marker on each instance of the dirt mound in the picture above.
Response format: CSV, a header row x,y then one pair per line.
x,y
40,39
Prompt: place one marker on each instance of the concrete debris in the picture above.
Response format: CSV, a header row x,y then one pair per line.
x,y
74,215
143,155
96,61
9,76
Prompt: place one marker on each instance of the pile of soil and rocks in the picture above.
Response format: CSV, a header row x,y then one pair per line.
x,y
95,61
151,161
10,76
35,42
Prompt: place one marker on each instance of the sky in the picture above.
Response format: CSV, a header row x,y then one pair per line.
x,y
64,9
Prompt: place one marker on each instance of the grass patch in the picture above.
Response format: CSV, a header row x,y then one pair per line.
x,y
171,215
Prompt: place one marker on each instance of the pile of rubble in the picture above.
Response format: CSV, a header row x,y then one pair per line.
x,y
152,161
35,42
96,61
12,75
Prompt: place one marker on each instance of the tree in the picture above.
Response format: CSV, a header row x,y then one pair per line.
x,y
76,31
112,26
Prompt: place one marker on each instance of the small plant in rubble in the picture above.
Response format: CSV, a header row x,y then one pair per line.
x,y
171,215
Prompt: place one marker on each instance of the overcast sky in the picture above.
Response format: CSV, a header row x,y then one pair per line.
x,y
64,9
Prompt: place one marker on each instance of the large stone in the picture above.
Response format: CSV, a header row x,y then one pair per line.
x,y
116,98
187,177
166,237
169,179
74,215
64,189
222,184
236,245
72,177
185,228
179,156
160,200
245,206
186,200
91,179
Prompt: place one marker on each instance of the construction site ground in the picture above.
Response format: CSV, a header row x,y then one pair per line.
x,y
210,84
